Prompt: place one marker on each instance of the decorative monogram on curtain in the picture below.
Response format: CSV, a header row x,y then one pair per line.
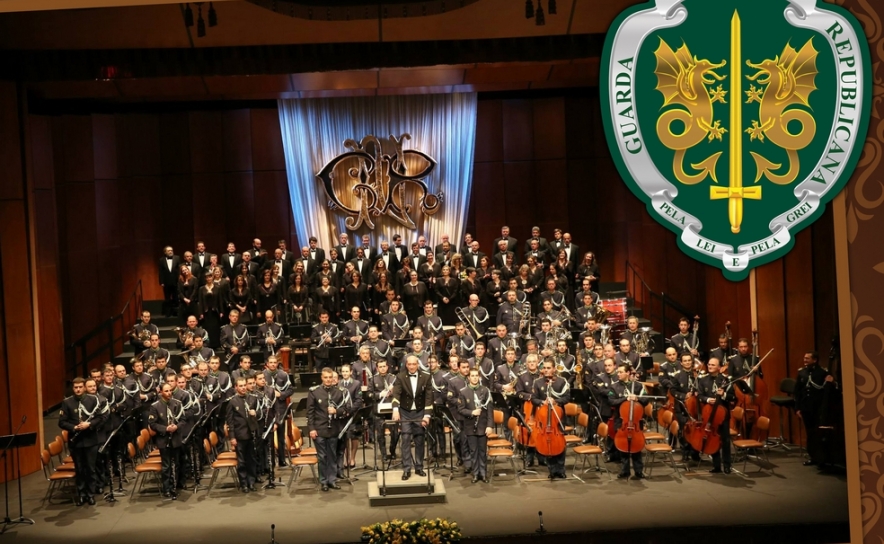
x,y
379,186
369,181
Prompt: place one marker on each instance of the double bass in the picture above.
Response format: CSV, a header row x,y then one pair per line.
x,y
549,438
702,433
757,403
629,437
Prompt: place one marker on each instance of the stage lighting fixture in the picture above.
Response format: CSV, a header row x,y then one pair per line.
x,y
200,23
539,19
213,17
551,9
529,9
188,15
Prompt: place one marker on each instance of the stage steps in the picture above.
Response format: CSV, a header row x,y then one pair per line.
x,y
405,493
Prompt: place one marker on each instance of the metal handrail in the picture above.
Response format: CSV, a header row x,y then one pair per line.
x,y
656,306
91,346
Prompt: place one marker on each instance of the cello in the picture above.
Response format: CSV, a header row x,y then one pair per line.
x,y
702,434
525,437
549,438
756,404
629,437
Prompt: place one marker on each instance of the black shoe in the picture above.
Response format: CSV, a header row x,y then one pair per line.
x,y
325,488
728,470
392,455
530,463
340,476
406,475
485,479
80,501
259,481
90,500
244,489
474,480
622,476
459,463
167,495
420,472
334,486
715,471
282,464
695,457
174,496
809,463
639,476
468,471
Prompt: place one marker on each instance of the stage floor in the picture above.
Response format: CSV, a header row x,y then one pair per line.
x,y
792,494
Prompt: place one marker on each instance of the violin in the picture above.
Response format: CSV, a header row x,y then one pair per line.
x,y
629,437
549,439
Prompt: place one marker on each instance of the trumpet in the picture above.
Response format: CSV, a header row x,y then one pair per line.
x,y
462,315
268,336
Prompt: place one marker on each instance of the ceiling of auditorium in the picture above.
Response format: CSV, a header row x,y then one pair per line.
x,y
133,25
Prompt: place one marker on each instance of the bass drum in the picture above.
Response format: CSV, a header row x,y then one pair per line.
x,y
285,355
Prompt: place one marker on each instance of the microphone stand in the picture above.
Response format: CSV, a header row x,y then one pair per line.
x,y
7,522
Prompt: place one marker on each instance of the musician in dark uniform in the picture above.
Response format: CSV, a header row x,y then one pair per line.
x,y
476,315
282,390
626,356
83,416
234,338
353,385
600,387
356,329
668,368
722,353
412,405
484,364
380,390
328,407
378,347
682,384
497,346
242,428
685,340
141,333
119,408
461,343
509,313
164,416
739,364
524,392
161,370
565,362
458,378
192,411
269,335
153,351
395,325
474,405
626,390
191,331
323,333
244,370
141,388
714,389
809,388
431,325
554,391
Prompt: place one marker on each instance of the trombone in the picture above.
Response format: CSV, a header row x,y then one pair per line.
x,y
462,315
525,320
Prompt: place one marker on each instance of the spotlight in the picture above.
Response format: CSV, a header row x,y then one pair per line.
x,y
200,23
552,7
213,17
539,19
188,15
529,9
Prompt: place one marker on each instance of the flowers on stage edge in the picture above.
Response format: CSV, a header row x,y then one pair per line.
x,y
422,531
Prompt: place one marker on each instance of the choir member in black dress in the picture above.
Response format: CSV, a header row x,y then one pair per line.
x,y
470,285
169,266
324,272
188,293
240,298
413,295
299,300
429,271
356,294
326,298
403,275
483,273
589,269
495,293
378,293
270,295
448,296
565,269
211,310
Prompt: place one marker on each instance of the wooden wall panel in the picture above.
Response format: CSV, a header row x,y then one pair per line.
x,y
549,128
272,207
266,139
236,145
772,325
551,195
488,193
104,151
209,204
519,196
489,131
174,130
206,141
240,203
518,124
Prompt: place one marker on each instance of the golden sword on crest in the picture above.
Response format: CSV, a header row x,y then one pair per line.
x,y
735,192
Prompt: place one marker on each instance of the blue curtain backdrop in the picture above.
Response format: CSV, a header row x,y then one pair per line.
x,y
442,126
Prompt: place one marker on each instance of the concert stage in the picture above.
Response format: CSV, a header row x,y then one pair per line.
x,y
815,503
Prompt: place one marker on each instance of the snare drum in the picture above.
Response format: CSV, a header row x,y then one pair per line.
x,y
285,353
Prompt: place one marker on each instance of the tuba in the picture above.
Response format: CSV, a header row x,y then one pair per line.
x,y
642,340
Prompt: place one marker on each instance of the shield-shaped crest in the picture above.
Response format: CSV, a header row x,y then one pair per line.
x,y
736,121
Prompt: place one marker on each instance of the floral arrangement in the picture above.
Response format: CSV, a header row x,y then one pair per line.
x,y
430,531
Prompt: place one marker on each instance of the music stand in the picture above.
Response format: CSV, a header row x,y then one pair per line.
x,y
8,442
310,379
340,355
360,415
300,332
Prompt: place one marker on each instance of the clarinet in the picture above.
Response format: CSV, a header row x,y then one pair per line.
x,y
170,419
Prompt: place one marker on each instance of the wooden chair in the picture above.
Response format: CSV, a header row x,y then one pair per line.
x,y
594,450
654,436
56,450
144,470
58,481
762,427
299,460
146,455
662,448
499,442
218,465
213,441
572,410
736,422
